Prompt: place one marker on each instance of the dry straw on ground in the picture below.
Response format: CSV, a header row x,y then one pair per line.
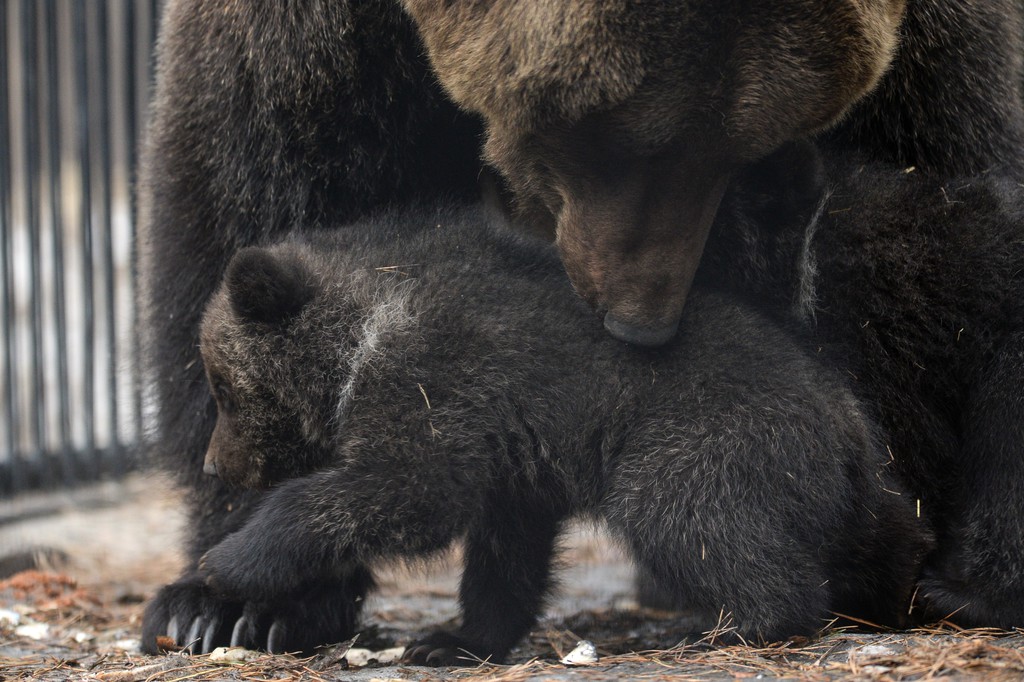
x,y
78,635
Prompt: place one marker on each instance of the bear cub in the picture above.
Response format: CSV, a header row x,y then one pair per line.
x,y
424,377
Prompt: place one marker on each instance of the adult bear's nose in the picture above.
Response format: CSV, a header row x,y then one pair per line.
x,y
631,239
638,334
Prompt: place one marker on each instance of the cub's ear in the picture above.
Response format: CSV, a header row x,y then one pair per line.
x,y
267,287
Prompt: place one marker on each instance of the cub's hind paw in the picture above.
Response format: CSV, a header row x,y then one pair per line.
x,y
444,649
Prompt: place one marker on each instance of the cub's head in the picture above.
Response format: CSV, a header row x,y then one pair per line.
x,y
260,339
626,120
258,369
290,337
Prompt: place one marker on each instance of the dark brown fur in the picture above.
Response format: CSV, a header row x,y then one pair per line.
x,y
915,286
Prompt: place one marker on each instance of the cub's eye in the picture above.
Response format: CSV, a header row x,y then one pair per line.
x,y
222,394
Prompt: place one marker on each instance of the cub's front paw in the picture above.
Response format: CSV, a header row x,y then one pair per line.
x,y
191,615
448,649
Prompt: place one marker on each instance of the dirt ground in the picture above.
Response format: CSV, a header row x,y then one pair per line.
x,y
116,544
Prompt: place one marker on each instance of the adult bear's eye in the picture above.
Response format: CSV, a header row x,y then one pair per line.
x,y
222,394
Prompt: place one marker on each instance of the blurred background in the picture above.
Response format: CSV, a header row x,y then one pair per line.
x,y
75,80
74,86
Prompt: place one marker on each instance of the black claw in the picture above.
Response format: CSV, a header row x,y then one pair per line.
x,y
239,633
172,629
438,658
208,636
194,634
276,638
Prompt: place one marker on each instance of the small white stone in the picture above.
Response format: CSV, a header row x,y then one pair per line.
x,y
131,646
875,669
873,650
82,637
232,654
585,653
32,630
9,619
389,656
360,657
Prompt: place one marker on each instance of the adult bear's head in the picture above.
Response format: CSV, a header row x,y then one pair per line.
x,y
625,120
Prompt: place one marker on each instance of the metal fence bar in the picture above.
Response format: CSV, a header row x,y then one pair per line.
x,y
60,350
139,69
30,121
12,415
101,103
80,29
74,77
